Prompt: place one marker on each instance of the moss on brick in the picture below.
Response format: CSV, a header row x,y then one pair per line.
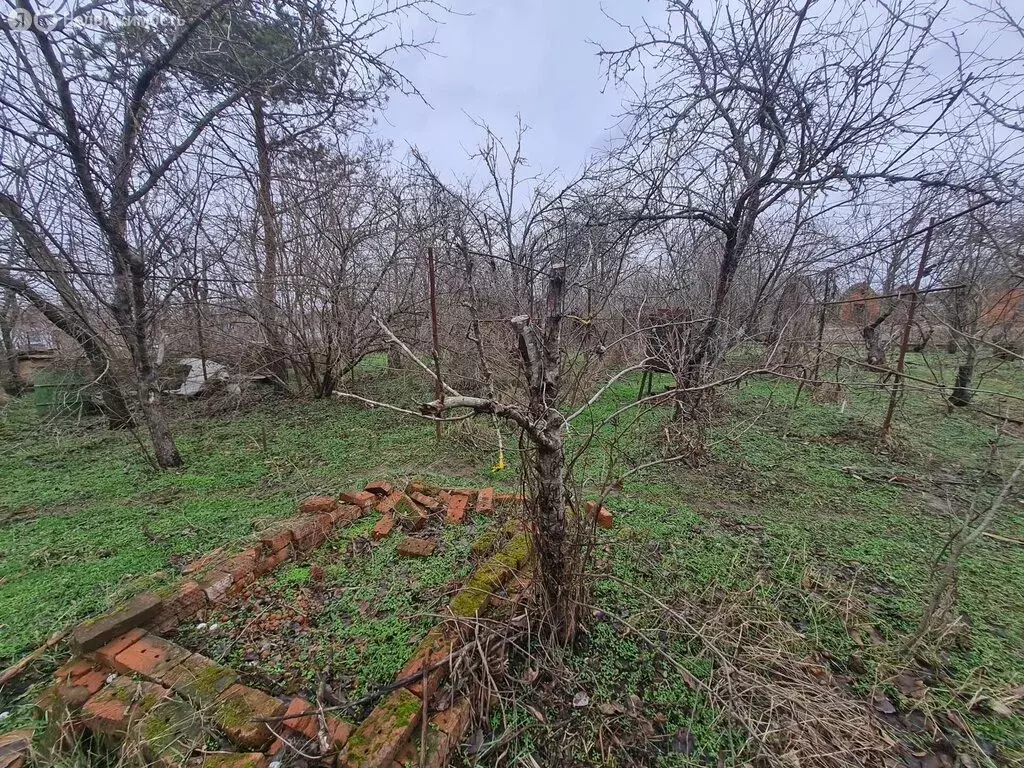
x,y
170,729
471,601
489,577
516,552
484,544
212,680
234,712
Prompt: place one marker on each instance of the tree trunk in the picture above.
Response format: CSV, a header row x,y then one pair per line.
x,y
167,456
273,355
695,367
874,344
10,373
549,464
962,391
541,356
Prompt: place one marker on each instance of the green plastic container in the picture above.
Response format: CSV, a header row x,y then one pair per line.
x,y
60,394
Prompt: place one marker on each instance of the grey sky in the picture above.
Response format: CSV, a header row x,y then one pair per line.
x,y
513,56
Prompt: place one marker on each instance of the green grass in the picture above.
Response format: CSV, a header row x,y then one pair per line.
x,y
84,521
792,503
362,619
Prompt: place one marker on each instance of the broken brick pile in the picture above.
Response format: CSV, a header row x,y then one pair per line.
x,y
419,504
129,686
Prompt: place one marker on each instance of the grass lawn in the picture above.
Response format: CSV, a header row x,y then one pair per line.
x,y
796,512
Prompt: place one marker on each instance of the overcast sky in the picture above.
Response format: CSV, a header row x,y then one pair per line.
x,y
505,57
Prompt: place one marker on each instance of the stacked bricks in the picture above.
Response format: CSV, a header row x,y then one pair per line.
x,y
171,686
389,736
160,688
304,720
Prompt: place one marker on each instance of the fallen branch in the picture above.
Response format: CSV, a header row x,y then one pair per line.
x,y
20,666
1006,539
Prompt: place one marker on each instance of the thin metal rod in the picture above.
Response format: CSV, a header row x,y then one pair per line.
x,y
439,388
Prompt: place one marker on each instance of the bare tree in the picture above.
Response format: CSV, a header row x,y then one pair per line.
x,y
135,172
766,106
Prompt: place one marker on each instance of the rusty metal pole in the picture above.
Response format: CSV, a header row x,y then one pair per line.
x,y
439,391
897,386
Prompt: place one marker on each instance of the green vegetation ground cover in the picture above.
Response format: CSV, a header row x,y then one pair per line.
x,y
791,504
349,617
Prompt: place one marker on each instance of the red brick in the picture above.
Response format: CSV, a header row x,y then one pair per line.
x,y
150,657
418,486
63,697
108,652
485,501
240,712
92,681
361,499
72,695
308,532
16,748
379,488
427,502
106,713
346,514
317,505
241,565
454,721
457,509
113,709
388,504
340,731
378,739
74,669
90,635
275,538
433,651
443,736
215,585
205,563
235,760
270,562
604,518
242,568
384,526
301,527
412,517
168,734
187,600
199,679
470,492
410,547
301,718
